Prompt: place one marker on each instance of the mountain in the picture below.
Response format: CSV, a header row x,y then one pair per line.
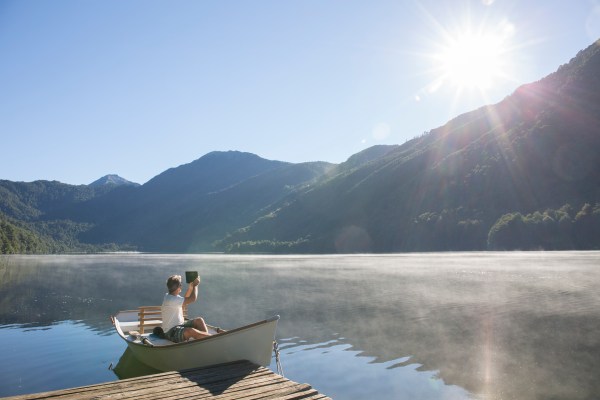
x,y
112,180
514,169
26,222
187,208
520,174
29,201
183,209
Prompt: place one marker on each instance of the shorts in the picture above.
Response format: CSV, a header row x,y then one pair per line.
x,y
175,334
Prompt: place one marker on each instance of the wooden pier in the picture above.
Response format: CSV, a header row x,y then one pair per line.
x,y
237,380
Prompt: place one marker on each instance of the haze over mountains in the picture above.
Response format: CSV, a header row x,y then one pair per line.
x,y
523,173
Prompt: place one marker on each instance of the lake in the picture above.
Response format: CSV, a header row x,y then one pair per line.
x,y
522,325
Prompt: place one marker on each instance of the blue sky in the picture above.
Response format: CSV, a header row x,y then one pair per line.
x,y
89,88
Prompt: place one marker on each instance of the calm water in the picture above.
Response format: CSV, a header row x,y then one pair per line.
x,y
417,326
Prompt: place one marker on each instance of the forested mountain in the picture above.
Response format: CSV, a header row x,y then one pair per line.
x,y
184,209
510,175
28,201
520,174
20,240
187,208
27,224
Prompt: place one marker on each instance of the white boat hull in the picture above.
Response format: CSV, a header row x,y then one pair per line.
x,y
252,342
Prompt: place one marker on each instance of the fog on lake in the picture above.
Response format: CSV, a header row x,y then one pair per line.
x,y
520,325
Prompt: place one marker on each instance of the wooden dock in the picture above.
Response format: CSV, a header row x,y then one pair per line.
x,y
237,380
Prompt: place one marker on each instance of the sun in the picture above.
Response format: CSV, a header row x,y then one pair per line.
x,y
473,61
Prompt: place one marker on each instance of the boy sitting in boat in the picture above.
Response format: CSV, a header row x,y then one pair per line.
x,y
175,327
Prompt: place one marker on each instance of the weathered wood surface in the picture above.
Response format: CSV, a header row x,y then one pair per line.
x,y
237,380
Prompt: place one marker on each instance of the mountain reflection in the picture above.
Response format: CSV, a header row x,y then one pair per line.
x,y
515,325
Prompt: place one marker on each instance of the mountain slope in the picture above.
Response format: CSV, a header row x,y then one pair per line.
x,y
537,149
34,200
188,207
16,239
523,173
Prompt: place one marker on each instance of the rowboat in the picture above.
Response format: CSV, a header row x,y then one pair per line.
x,y
252,342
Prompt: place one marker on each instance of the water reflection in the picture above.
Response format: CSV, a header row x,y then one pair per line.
x,y
41,358
516,325
129,367
347,373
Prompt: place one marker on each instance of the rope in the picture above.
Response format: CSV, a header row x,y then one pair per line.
x,y
277,358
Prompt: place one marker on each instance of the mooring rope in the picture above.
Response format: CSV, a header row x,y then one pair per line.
x,y
277,358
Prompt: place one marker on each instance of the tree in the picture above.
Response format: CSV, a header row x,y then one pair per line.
x,y
508,233
587,227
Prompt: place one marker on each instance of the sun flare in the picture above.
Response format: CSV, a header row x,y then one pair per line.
x,y
473,61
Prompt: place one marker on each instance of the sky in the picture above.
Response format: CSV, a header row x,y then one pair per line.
x,y
135,87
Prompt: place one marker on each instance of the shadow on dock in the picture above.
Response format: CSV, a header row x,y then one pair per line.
x,y
235,380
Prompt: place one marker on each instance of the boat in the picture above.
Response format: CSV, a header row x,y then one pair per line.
x,y
252,342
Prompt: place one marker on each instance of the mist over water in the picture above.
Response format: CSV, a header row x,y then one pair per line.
x,y
442,325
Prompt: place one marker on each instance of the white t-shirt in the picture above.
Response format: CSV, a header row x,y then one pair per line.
x,y
172,312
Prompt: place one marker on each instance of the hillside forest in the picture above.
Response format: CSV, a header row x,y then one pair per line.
x,y
522,174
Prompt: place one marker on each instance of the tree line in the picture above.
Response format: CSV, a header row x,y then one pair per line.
x,y
46,237
560,229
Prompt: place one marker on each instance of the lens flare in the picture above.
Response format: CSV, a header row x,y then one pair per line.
x,y
472,61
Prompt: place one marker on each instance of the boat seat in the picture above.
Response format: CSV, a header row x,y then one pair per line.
x,y
151,316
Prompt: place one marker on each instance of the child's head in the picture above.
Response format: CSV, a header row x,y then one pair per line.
x,y
173,283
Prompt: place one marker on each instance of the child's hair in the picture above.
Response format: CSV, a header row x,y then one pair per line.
x,y
173,283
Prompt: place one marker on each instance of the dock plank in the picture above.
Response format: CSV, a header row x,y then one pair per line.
x,y
237,380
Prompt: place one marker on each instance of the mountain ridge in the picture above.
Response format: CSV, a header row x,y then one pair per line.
x,y
459,166
172,210
523,173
